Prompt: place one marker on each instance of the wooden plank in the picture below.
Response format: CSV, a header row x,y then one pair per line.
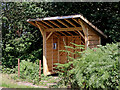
x,y
77,32
33,24
81,35
76,21
93,42
69,33
85,30
64,29
62,23
92,46
70,22
42,25
93,37
55,24
91,32
48,24
49,35
63,33
57,33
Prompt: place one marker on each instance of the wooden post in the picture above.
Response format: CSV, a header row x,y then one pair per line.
x,y
18,67
45,66
40,70
85,32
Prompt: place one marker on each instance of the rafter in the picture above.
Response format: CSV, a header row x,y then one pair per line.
x,y
70,22
63,33
76,32
62,23
42,25
48,24
82,42
76,21
55,24
69,33
81,34
33,24
57,33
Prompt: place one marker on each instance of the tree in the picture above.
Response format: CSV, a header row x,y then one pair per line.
x,y
22,40
19,38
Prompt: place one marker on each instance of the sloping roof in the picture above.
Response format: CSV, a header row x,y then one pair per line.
x,y
79,16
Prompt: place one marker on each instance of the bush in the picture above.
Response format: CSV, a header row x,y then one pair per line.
x,y
29,71
97,68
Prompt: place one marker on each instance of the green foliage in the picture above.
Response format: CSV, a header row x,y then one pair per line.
x,y
96,68
29,71
20,38
8,70
99,68
66,71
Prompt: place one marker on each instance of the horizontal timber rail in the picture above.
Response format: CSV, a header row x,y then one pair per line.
x,y
64,29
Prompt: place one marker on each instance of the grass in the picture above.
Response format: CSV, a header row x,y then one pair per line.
x,y
7,82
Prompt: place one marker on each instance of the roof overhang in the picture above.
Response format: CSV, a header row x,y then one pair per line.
x,y
51,22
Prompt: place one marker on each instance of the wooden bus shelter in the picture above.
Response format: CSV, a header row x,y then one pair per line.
x,y
59,31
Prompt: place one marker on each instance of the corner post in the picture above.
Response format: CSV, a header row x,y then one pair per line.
x,y
45,66
85,32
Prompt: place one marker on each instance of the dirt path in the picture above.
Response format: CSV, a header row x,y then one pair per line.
x,y
30,84
46,84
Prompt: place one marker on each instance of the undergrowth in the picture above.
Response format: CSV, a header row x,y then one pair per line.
x,y
96,68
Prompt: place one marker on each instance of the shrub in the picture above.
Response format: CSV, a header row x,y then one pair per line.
x,y
97,68
29,71
66,71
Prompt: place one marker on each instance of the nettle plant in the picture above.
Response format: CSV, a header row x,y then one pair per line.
x,y
29,71
94,68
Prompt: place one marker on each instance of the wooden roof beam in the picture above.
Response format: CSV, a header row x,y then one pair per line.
x,y
48,24
62,23
76,32
69,33
63,33
70,22
64,29
76,21
57,33
42,24
33,24
81,34
55,24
